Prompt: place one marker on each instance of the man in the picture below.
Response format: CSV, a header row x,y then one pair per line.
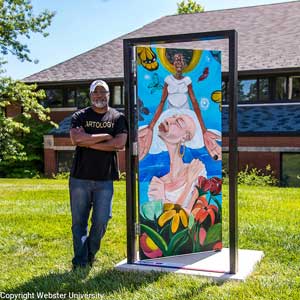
x,y
98,132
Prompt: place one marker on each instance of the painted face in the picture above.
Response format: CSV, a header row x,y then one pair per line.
x,y
99,97
177,129
178,62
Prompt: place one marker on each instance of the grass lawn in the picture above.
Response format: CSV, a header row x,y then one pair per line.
x,y
36,247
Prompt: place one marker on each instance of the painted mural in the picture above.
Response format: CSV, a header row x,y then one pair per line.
x,y
179,143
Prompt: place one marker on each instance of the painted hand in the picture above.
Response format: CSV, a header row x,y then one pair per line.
x,y
156,189
212,146
145,140
194,169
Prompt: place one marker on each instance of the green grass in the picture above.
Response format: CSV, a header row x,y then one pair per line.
x,y
36,247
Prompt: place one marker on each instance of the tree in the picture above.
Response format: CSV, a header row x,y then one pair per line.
x,y
189,7
17,21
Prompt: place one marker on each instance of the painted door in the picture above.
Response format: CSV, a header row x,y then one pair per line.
x,y
179,144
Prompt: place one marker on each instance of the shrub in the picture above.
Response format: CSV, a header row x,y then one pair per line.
x,y
62,175
23,173
257,177
253,176
31,164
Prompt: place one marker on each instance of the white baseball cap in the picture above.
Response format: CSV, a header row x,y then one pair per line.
x,y
96,83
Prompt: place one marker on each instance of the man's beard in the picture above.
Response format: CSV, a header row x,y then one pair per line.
x,y
100,104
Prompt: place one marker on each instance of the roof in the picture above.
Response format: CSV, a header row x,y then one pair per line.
x,y
268,38
252,119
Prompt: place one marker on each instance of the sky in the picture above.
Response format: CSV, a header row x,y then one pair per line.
x,y
81,25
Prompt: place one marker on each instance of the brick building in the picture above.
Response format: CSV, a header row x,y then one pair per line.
x,y
269,83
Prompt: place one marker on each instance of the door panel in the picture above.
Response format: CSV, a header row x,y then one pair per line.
x,y
179,142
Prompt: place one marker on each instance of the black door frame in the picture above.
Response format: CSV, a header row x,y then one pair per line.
x,y
131,148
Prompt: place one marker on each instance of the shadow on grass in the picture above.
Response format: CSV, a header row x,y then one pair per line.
x,y
106,282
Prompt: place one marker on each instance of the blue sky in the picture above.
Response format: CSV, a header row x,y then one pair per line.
x,y
80,25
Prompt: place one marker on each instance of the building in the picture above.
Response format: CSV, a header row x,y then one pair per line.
x,y
269,83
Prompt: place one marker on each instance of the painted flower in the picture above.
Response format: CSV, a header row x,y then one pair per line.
x,y
175,213
202,210
213,184
148,246
201,235
203,183
218,246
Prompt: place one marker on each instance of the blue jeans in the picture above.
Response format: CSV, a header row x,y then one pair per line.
x,y
87,195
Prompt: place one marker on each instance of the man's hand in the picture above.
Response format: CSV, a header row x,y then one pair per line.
x,y
156,189
76,134
211,145
144,140
80,138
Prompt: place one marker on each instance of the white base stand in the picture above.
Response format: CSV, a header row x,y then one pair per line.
x,y
214,265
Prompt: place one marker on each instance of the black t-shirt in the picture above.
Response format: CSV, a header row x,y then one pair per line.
x,y
95,164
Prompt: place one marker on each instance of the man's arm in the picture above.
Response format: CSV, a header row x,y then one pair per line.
x,y
115,144
80,138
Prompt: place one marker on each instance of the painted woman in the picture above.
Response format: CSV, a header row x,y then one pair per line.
x,y
177,89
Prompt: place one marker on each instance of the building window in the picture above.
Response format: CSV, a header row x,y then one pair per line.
x,y
64,160
290,169
66,97
82,97
263,89
294,88
79,96
281,88
250,90
117,95
70,100
54,98
247,90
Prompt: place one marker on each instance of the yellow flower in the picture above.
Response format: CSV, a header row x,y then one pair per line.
x,y
174,212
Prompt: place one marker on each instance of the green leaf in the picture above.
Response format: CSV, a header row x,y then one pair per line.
x,y
198,247
183,242
192,233
175,240
191,221
217,202
152,210
201,192
157,239
165,228
214,234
